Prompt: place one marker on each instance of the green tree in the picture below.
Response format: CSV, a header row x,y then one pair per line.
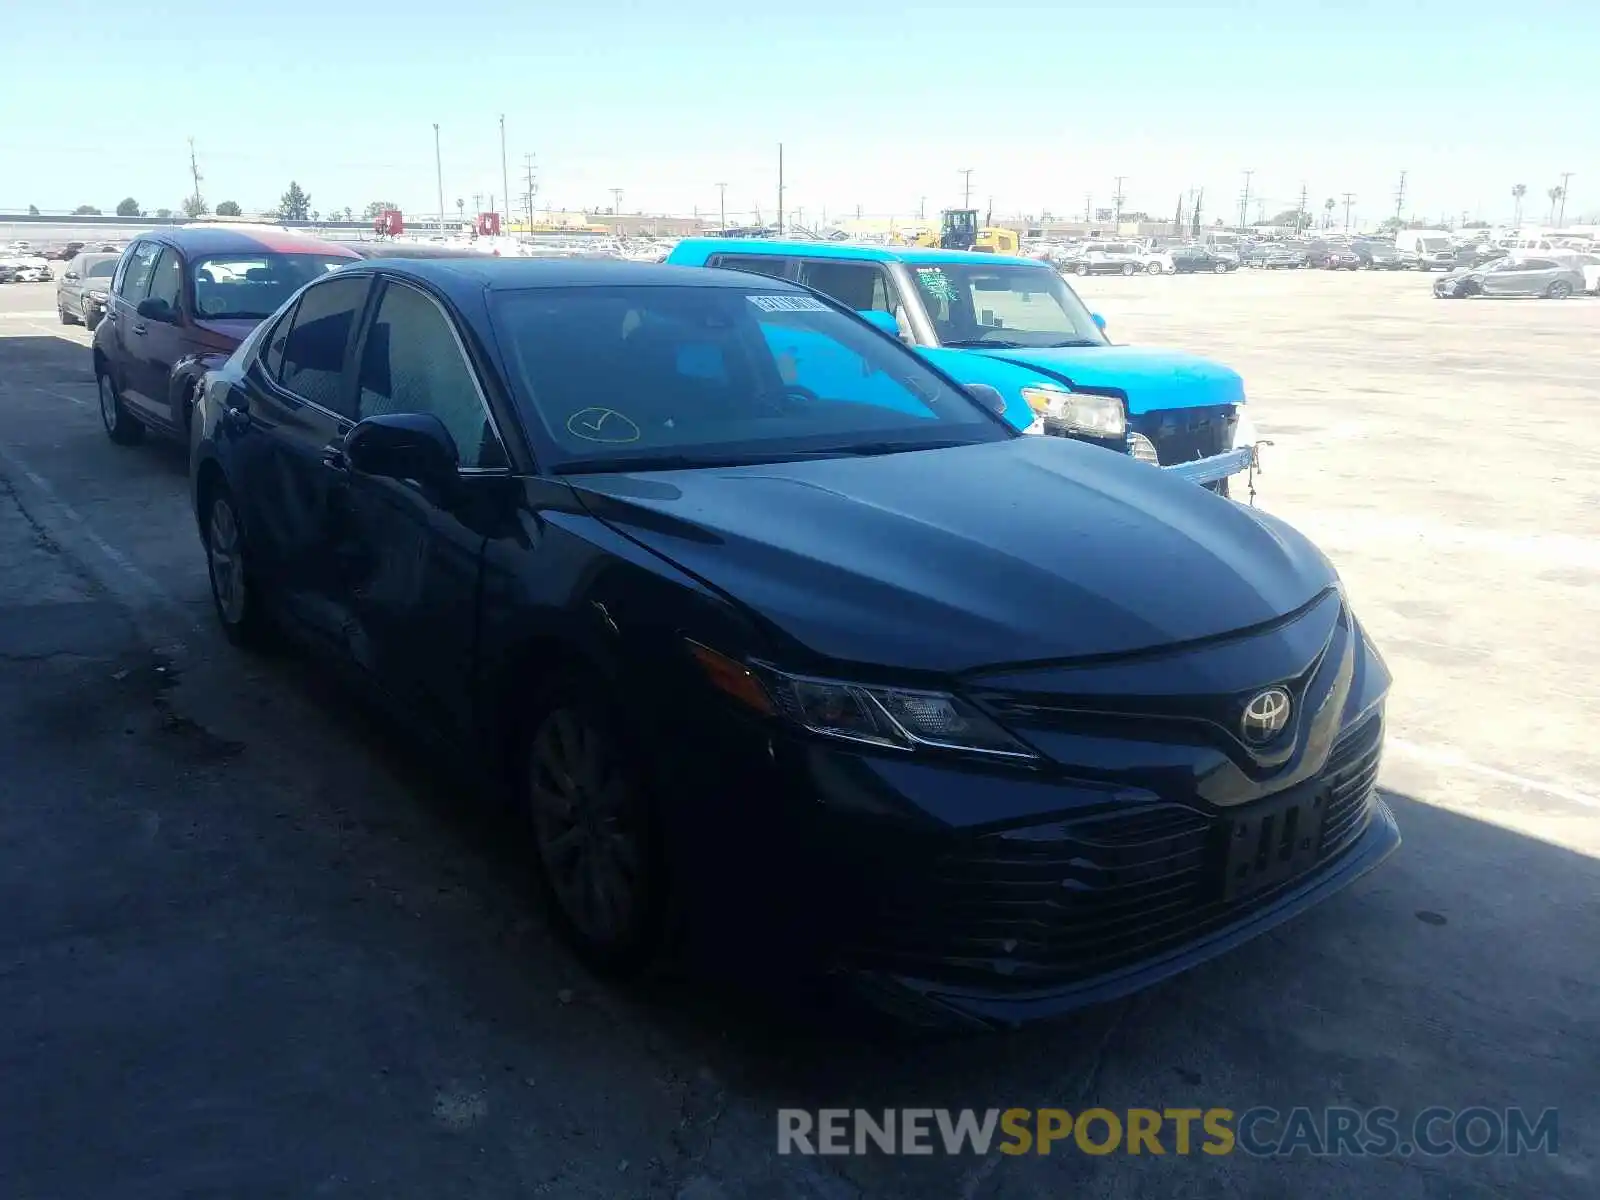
x,y
229,208
195,206
376,209
1518,191
295,204
33,210
129,208
86,210
164,214
349,213
1289,216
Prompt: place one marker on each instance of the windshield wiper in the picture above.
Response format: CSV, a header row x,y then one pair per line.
x,y
987,343
870,449
648,462
1071,342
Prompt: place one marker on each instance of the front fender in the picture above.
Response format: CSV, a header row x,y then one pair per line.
x,y
1007,378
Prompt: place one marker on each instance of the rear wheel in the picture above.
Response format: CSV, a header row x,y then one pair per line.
x,y
233,590
1128,268
1221,268
121,426
593,832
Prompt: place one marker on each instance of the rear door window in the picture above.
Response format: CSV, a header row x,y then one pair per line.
x,y
316,349
757,264
863,286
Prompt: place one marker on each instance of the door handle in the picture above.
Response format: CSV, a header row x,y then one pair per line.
x,y
141,327
333,457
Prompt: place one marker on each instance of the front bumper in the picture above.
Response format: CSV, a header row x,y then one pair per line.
x,y
945,892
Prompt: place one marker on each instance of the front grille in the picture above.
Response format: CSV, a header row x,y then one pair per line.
x,y
1076,899
1187,434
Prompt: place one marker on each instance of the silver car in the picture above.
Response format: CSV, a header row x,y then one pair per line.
x,y
1513,277
81,290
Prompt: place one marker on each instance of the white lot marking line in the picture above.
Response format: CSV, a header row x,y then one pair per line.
x,y
43,391
1441,756
131,574
30,316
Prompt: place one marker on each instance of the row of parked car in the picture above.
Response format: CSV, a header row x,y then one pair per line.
x,y
639,545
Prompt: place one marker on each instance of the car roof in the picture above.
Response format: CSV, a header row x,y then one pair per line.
x,y
411,250
702,248
234,239
458,276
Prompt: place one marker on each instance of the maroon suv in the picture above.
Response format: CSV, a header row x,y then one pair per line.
x,y
180,302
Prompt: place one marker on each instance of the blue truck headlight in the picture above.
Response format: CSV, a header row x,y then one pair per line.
x,y
1078,412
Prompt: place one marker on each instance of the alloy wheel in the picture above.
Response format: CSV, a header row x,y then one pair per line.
x,y
583,810
225,557
108,403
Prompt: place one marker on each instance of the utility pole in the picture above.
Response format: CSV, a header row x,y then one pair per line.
x,y
922,208
1244,202
1088,208
1300,218
1400,196
194,172
477,204
722,204
780,189
527,165
1349,198
616,209
438,169
966,186
505,174
1117,219
1561,213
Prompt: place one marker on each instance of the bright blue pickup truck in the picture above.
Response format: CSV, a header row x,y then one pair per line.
x,y
1015,325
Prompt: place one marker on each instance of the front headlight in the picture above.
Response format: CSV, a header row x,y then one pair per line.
x,y
1079,412
100,296
871,714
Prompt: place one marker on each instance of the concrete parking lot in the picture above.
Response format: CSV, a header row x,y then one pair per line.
x,y
254,947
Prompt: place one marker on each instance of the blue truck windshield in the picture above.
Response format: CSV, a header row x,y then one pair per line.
x,y
996,306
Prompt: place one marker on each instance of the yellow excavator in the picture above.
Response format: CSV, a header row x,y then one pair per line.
x,y
959,230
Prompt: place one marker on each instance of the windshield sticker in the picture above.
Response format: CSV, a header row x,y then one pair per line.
x,y
602,425
788,303
936,283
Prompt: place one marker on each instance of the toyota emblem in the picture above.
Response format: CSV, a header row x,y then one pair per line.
x,y
1266,716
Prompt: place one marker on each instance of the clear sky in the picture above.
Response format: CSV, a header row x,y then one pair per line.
x,y
879,105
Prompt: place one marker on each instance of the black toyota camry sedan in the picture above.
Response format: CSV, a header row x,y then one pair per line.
x,y
790,650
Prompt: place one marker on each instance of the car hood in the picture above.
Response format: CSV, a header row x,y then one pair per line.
x,y
1150,379
1455,275
1031,549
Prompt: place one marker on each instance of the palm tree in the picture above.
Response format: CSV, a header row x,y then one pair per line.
x,y
1555,195
1517,193
1327,207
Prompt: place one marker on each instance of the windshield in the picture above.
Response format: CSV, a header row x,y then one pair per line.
x,y
254,286
103,268
1000,306
619,378
1436,243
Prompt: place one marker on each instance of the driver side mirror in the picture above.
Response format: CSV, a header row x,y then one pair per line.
x,y
153,308
404,446
881,320
1099,321
70,275
989,397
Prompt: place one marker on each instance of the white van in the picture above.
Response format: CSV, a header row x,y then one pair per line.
x,y
1433,247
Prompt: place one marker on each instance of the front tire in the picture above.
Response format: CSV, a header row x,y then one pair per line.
x,y
122,426
1559,290
1221,268
1128,268
598,858
66,317
1154,268
1083,268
